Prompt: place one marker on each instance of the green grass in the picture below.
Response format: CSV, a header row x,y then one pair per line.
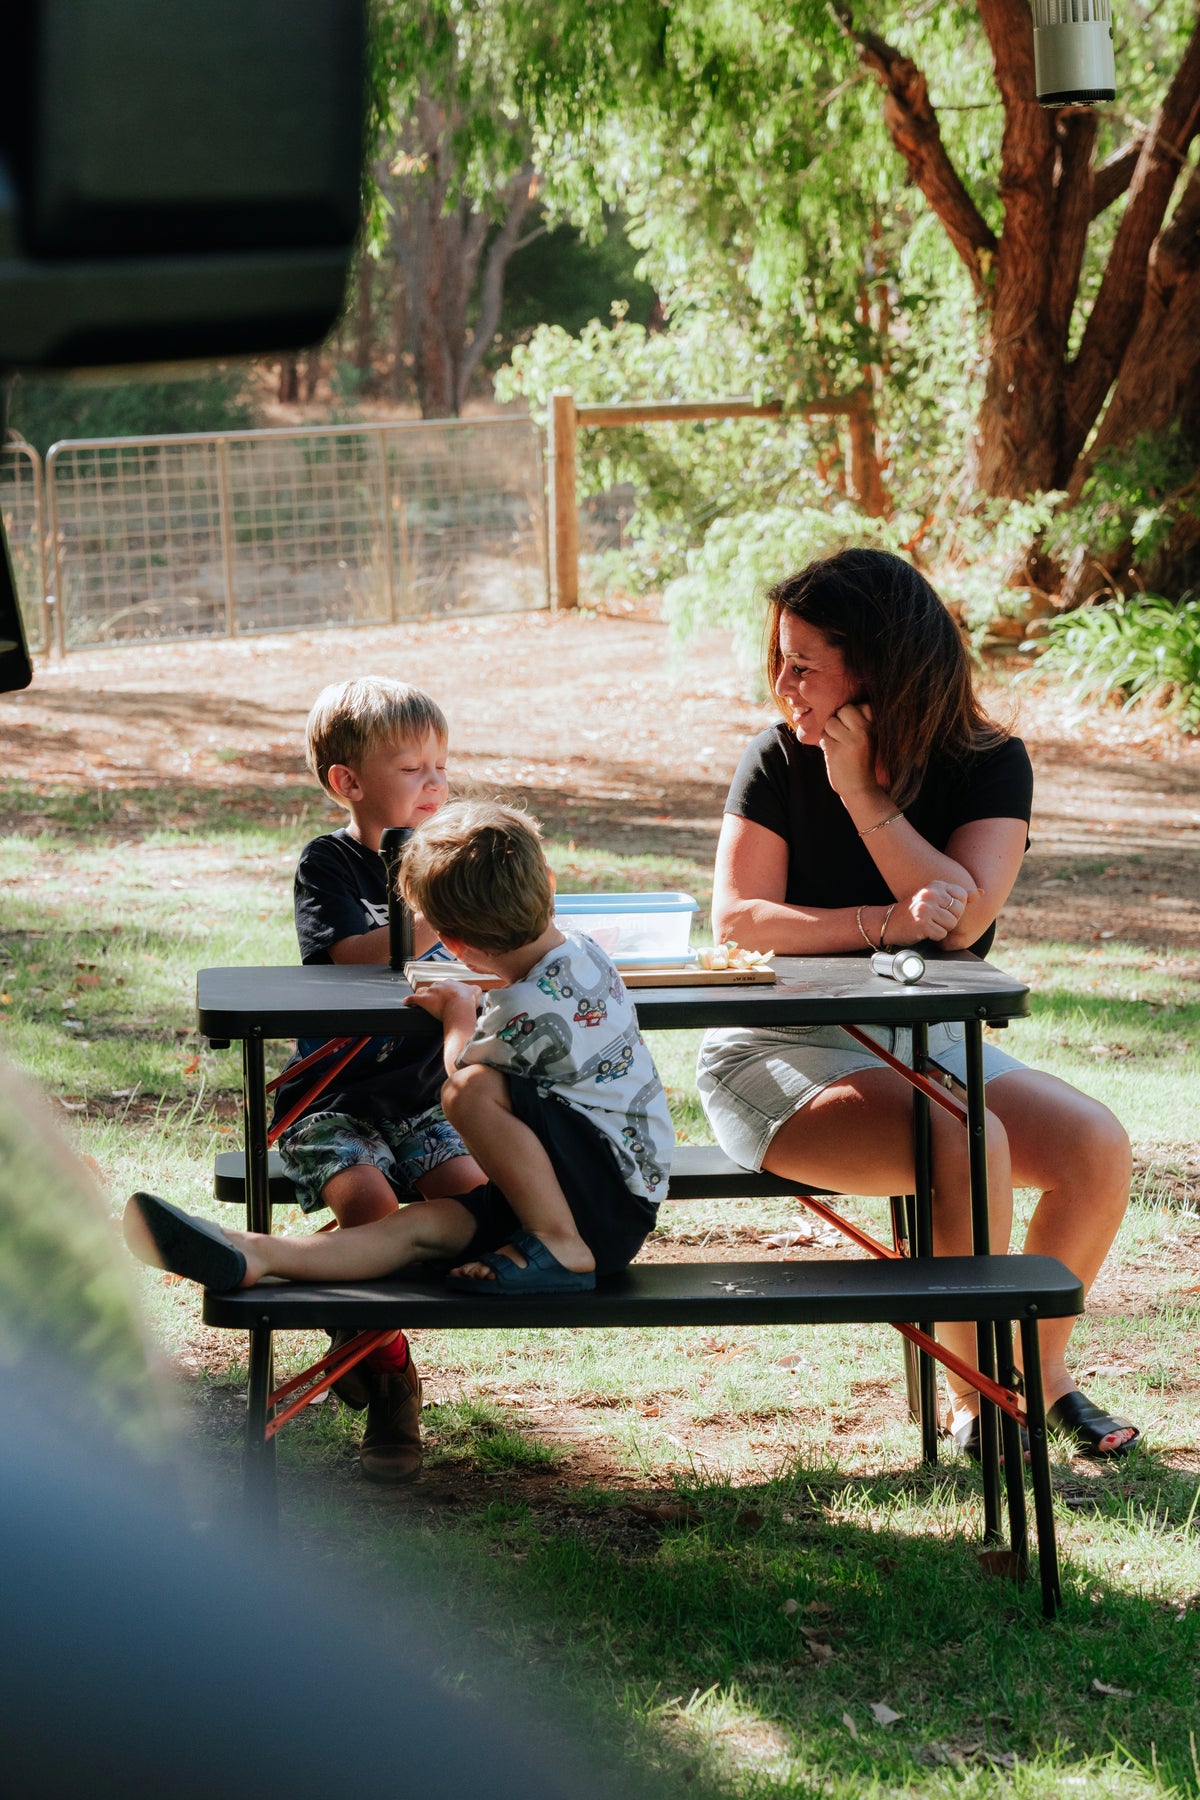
x,y
783,1460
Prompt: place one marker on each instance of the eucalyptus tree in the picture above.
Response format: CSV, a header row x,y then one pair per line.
x,y
880,183
452,183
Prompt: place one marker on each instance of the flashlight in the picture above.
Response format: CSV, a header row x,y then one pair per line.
x,y
899,965
1073,52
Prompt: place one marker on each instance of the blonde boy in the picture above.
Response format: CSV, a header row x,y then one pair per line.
x,y
376,1137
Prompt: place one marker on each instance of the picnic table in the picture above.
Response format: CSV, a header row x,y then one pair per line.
x,y
253,1005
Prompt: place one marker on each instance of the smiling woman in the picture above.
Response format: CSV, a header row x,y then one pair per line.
x,y
886,809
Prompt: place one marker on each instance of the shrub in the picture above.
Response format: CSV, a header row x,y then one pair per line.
x,y
1146,649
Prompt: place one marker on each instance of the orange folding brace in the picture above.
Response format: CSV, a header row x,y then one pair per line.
x,y
330,1368
1003,1397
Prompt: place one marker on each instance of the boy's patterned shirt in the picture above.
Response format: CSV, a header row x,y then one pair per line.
x,y
570,1026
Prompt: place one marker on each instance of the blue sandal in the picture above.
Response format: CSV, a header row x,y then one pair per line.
x,y
542,1274
167,1238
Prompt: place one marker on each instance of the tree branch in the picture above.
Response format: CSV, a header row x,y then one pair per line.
x,y
1112,178
912,125
517,194
1118,305
1073,213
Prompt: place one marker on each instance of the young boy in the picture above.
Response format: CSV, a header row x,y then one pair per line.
x,y
376,1136
550,1084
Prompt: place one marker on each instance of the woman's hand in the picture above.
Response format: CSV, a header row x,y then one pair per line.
x,y
848,743
932,912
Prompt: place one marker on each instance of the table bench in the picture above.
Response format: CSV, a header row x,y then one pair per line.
x,y
1001,1290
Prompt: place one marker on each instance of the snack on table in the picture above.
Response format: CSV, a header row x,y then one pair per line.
x,y
732,956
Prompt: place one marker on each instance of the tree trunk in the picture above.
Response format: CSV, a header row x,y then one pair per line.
x,y
288,390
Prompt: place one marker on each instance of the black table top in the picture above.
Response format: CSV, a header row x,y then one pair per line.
x,y
367,1000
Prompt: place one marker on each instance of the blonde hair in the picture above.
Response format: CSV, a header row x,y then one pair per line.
x,y
349,719
478,872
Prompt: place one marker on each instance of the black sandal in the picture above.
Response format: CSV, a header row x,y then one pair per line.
x,y
1088,1425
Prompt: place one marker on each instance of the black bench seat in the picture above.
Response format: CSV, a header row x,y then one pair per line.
x,y
835,1292
698,1172
998,1289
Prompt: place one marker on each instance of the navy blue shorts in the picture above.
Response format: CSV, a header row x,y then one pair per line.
x,y
613,1223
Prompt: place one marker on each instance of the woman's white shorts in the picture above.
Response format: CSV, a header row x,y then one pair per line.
x,y
753,1080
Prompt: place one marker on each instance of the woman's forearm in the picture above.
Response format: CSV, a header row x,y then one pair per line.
x,y
798,930
905,859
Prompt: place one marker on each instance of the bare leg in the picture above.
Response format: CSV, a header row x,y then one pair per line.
x,y
1077,1153
458,1176
419,1233
360,1195
855,1137
476,1102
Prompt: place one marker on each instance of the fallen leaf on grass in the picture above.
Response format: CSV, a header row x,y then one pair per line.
x,y
1003,1562
790,1608
190,1067
883,1713
88,981
786,1240
1103,1687
820,1609
817,1645
668,1512
748,1519
851,1727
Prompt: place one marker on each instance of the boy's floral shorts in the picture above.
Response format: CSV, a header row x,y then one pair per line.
x,y
321,1145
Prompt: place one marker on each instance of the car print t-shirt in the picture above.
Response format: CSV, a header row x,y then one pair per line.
x,y
570,1027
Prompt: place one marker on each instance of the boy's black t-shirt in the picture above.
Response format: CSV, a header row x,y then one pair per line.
x,y
341,892
782,785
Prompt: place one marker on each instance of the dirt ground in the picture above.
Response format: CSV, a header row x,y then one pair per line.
x,y
613,738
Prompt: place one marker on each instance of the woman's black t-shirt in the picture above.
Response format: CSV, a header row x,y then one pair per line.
x,y
782,785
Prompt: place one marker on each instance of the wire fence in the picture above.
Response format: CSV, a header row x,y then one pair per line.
x,y
243,532
21,503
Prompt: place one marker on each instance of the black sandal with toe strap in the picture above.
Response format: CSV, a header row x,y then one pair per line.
x,y
1088,1426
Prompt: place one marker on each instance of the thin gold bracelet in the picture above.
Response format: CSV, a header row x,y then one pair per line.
x,y
890,820
862,930
886,922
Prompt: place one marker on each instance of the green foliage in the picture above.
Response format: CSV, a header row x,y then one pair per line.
x,y
563,277
47,408
1133,500
742,556
1147,649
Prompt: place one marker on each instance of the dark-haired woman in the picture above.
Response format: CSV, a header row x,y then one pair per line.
x,y
884,809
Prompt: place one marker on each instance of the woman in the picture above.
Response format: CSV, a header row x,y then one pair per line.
x,y
886,809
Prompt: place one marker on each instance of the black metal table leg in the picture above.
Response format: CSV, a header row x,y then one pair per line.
x,y
923,1238
981,1238
1014,1455
1039,1468
261,1491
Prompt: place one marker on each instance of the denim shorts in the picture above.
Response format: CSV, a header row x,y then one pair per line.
x,y
753,1080
320,1145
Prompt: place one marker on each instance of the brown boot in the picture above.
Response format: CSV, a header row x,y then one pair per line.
x,y
391,1446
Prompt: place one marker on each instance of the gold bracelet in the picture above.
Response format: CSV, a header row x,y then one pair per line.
x,y
883,928
890,820
862,930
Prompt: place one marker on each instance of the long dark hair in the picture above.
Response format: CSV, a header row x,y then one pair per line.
x,y
904,650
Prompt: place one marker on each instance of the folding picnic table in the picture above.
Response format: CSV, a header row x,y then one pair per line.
x,y
251,1005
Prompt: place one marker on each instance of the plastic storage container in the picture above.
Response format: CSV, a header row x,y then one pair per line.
x,y
649,927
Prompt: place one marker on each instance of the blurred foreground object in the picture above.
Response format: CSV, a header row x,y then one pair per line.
x,y
176,181
147,1655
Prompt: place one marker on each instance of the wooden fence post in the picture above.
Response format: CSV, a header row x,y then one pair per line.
x,y
564,512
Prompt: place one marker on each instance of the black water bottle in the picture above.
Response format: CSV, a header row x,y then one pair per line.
x,y
392,844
